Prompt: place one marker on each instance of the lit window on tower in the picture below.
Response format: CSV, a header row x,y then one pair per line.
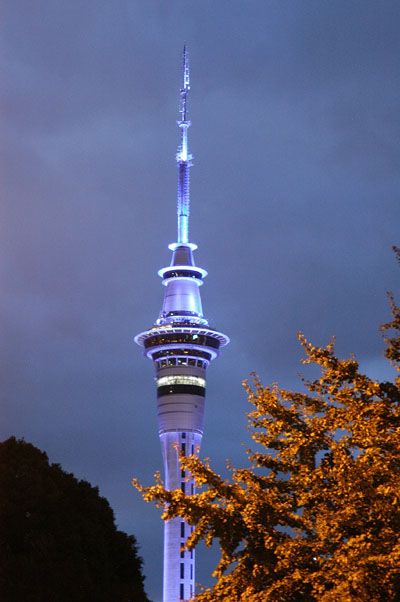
x,y
180,379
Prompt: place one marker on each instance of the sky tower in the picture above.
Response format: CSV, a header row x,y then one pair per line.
x,y
181,345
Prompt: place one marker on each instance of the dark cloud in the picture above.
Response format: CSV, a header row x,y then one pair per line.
x,y
295,195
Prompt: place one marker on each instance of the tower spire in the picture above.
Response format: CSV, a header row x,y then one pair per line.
x,y
183,157
186,84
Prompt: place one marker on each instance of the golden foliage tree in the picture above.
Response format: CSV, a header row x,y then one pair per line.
x,y
316,516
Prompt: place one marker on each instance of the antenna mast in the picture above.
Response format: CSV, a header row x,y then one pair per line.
x,y
183,157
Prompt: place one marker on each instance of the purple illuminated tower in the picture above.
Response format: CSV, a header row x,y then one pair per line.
x,y
181,345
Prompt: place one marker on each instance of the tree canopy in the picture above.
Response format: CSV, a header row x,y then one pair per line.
x,y
58,539
316,514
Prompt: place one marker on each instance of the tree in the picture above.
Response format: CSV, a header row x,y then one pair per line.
x,y
58,539
316,515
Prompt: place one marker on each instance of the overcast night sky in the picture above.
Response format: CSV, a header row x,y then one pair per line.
x,y
295,205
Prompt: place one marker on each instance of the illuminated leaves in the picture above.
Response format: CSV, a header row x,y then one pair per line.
x,y
316,515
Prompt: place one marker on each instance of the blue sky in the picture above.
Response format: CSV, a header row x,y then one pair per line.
x,y
295,206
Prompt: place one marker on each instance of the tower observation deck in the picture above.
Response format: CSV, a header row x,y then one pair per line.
x,y
181,345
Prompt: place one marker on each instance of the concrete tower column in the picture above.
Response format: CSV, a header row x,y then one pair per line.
x,y
181,345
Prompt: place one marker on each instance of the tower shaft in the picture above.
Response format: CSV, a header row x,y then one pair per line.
x,y
181,345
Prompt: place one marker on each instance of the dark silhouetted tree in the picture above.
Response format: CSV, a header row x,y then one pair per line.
x,y
58,539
